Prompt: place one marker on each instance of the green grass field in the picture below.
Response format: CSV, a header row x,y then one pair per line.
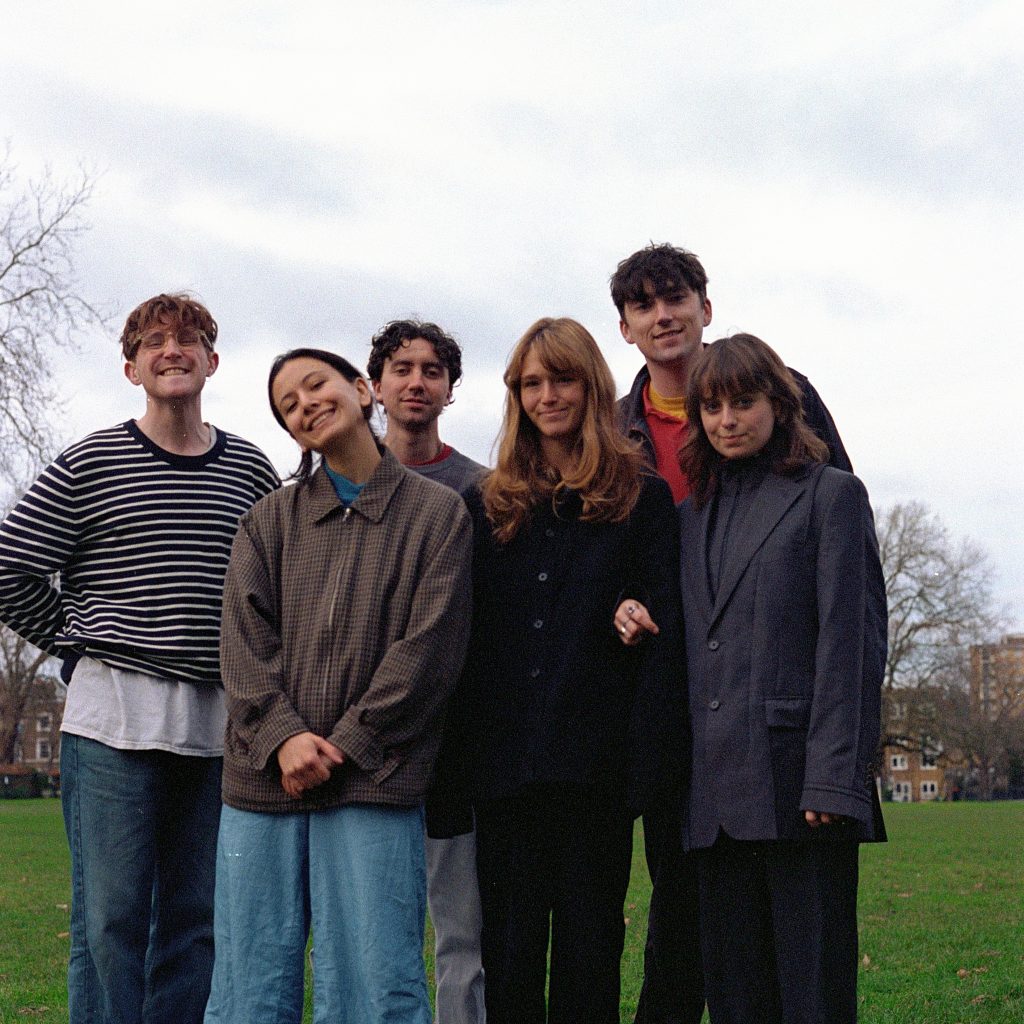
x,y
942,916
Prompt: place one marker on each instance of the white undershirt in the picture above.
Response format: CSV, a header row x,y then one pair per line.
x,y
136,711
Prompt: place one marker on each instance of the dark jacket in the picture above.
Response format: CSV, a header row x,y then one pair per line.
x,y
819,419
549,694
785,662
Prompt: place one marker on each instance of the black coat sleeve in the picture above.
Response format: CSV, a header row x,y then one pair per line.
x,y
659,735
819,419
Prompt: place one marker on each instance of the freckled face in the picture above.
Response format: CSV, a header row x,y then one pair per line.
x,y
738,426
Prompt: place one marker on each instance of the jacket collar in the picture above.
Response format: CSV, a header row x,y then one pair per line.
x,y
373,500
631,405
775,496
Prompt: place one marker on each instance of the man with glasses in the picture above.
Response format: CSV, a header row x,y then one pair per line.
x,y
136,522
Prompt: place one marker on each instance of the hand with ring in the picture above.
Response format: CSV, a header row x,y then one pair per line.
x,y
633,622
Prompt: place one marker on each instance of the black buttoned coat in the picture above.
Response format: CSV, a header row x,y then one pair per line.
x,y
549,694
785,662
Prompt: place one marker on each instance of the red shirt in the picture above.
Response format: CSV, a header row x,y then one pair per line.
x,y
667,434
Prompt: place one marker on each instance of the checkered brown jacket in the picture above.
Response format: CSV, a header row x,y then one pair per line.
x,y
348,622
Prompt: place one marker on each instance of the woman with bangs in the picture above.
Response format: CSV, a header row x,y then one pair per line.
x,y
563,735
345,619
784,604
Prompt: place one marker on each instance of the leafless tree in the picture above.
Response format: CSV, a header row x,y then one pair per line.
x,y
41,308
984,731
22,666
940,601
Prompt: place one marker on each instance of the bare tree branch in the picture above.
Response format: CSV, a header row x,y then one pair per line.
x,y
940,602
41,308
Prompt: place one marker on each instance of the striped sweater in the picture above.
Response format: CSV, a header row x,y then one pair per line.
x,y
140,539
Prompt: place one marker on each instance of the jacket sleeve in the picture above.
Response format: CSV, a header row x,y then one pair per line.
x,y
261,715
850,654
659,736
415,678
819,419
37,540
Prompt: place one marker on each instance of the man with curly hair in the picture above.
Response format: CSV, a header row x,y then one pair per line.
x,y
414,367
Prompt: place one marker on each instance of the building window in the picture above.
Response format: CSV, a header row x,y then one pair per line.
x,y
43,723
42,750
929,790
928,758
898,762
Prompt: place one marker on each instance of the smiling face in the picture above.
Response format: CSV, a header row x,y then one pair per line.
x,y
738,426
414,387
171,362
554,403
320,407
666,328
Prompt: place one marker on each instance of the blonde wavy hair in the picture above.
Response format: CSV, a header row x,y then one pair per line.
x,y
606,468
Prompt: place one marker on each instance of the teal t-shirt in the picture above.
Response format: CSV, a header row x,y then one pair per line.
x,y
346,490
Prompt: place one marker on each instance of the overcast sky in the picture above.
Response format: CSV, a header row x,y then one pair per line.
x,y
850,175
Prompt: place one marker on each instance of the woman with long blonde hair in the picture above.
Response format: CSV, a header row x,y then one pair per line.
x,y
562,735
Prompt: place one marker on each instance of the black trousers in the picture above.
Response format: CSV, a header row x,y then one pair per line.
x,y
673,987
779,931
553,861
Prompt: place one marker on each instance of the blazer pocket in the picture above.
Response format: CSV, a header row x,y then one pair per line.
x,y
787,712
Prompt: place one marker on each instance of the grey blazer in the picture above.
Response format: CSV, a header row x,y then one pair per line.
x,y
786,663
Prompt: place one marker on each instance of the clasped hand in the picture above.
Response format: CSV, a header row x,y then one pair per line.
x,y
306,761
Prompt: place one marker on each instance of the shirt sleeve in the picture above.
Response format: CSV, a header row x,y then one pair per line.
x,y
37,541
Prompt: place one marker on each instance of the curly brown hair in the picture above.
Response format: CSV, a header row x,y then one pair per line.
x,y
175,311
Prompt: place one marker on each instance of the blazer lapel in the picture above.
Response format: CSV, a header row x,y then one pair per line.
x,y
773,499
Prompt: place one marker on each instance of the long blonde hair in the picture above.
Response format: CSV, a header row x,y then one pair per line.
x,y
606,467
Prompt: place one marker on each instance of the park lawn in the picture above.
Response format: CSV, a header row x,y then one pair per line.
x,y
942,916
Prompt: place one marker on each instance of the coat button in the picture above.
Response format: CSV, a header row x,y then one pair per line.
x,y
537,623
534,673
713,645
542,576
714,705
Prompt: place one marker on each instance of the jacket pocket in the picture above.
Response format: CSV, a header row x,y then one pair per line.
x,y
787,712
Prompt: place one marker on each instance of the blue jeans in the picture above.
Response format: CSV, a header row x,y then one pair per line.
x,y
142,827
356,873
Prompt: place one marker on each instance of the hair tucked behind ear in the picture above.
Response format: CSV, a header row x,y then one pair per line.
x,y
606,469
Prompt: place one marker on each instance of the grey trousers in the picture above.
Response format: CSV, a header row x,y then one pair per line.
x,y
454,900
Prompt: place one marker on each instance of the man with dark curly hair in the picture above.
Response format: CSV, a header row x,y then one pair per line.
x,y
413,368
